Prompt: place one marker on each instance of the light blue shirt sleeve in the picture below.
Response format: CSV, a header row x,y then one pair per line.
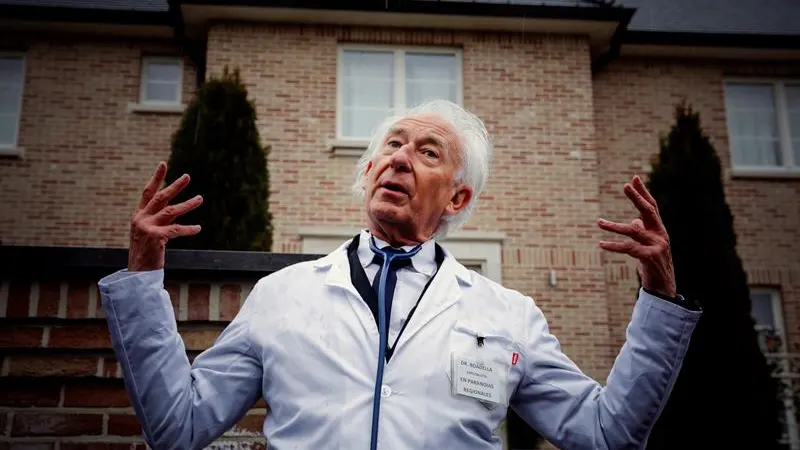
x,y
573,411
179,404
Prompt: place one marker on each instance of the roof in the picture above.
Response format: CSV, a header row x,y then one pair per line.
x,y
763,17
766,17
161,5
575,3
119,5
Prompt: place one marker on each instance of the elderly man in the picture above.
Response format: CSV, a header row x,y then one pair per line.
x,y
388,342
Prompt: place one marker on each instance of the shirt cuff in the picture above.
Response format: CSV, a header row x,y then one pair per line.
x,y
125,274
678,300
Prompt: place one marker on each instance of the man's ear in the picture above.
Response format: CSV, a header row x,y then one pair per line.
x,y
460,199
365,184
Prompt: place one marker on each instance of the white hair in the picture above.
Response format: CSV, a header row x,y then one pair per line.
x,y
475,154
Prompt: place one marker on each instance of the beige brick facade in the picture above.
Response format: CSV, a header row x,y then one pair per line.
x,y
566,141
634,101
86,155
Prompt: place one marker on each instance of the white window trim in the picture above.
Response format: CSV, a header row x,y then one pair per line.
x,y
780,329
790,168
13,148
356,143
469,247
777,308
158,106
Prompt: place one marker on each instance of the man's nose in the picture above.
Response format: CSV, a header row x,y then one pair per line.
x,y
401,159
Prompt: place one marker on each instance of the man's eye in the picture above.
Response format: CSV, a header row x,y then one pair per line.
x,y
395,144
430,153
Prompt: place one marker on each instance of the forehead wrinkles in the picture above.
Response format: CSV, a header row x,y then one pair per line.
x,y
434,137
435,130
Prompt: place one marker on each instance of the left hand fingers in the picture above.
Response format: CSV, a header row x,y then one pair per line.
x,y
643,252
639,185
649,211
634,231
631,248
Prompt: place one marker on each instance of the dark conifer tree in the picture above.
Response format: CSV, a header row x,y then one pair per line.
x,y
724,397
219,146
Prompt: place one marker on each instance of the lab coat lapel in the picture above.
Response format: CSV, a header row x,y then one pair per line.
x,y
338,269
338,277
444,292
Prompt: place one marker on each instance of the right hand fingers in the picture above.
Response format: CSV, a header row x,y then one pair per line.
x,y
171,212
152,186
162,197
174,230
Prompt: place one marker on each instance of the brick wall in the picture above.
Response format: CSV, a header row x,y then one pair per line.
x,y
86,156
60,383
634,101
535,94
565,144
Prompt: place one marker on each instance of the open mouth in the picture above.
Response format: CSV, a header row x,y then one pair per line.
x,y
394,188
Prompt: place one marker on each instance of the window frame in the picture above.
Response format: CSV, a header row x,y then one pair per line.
x,y
399,52
143,80
13,147
774,293
777,308
789,166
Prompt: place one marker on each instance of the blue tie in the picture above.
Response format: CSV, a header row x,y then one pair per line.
x,y
391,277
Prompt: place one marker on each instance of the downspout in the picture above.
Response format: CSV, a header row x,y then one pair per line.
x,y
612,53
195,50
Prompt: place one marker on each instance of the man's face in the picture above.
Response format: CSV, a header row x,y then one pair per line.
x,y
410,182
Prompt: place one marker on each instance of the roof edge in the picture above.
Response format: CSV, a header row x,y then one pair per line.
x,y
84,15
702,39
589,12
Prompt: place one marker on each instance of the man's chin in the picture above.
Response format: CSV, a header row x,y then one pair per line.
x,y
389,213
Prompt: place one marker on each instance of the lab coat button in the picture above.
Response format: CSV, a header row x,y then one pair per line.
x,y
386,391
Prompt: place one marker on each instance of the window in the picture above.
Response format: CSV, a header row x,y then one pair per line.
x,y
764,124
474,265
162,79
375,82
12,80
767,313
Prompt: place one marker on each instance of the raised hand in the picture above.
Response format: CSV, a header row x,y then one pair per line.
x,y
151,224
650,241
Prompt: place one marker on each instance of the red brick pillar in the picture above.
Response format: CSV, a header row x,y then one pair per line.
x,y
60,383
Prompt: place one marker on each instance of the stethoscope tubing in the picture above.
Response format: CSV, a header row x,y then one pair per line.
x,y
383,333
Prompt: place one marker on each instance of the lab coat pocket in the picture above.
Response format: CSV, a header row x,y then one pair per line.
x,y
489,346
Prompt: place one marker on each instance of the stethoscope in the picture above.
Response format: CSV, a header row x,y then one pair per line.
x,y
388,257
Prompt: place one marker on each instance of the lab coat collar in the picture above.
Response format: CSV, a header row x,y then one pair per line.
x,y
423,262
444,292
339,271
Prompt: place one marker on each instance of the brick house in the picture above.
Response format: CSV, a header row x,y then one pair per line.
x,y
574,92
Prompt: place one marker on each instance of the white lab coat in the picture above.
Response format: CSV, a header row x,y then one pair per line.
x,y
307,343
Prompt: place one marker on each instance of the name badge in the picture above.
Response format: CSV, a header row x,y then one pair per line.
x,y
480,379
